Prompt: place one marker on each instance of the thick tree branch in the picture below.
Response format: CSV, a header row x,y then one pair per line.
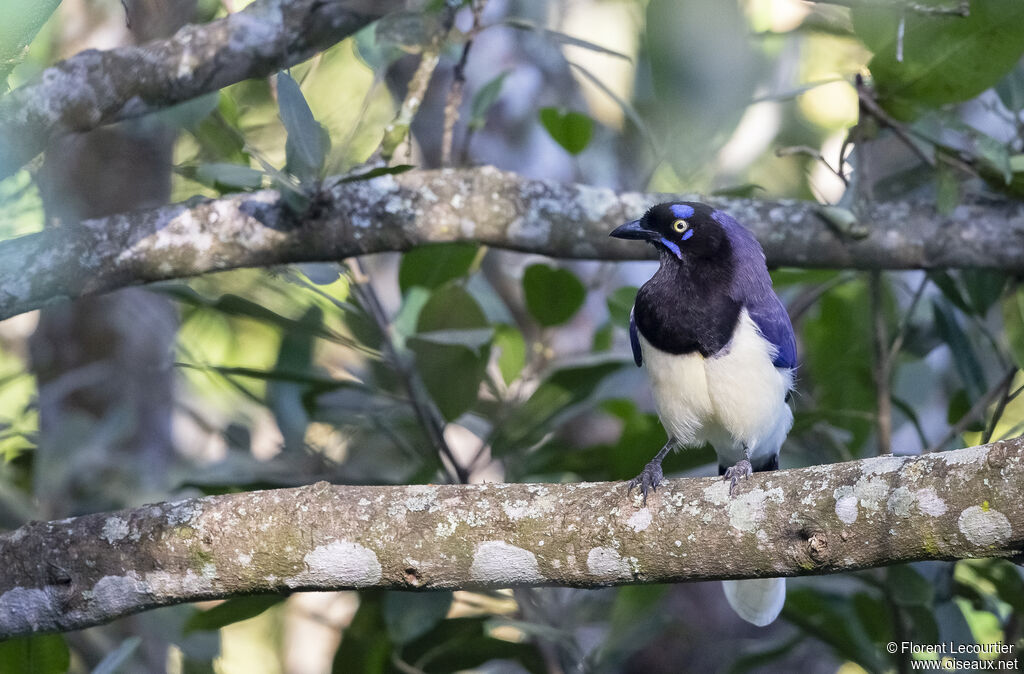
x,y
86,570
94,88
500,209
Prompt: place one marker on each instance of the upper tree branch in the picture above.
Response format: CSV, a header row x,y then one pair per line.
x,y
99,87
86,570
392,213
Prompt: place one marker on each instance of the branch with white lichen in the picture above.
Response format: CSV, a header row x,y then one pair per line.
x,y
94,88
82,571
496,208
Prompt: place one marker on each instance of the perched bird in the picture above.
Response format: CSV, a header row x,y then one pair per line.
x,y
720,356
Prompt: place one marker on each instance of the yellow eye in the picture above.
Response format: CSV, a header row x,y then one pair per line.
x,y
680,225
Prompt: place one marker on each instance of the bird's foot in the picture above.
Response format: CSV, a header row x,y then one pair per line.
x,y
740,471
648,479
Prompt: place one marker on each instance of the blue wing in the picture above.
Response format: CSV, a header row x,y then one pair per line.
x,y
772,320
634,340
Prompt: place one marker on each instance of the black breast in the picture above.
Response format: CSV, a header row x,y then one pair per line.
x,y
685,307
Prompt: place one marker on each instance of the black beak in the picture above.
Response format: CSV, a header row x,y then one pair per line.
x,y
634,230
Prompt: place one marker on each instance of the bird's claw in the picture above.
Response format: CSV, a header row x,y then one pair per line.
x,y
740,471
648,479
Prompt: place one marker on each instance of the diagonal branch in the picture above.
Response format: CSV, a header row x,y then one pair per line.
x,y
94,88
87,570
496,208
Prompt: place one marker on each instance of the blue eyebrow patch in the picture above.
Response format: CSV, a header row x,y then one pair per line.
x,y
672,247
681,210
688,234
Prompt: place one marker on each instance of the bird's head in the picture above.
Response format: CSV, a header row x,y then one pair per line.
x,y
683,229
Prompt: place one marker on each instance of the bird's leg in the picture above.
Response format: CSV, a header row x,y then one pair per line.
x,y
651,476
741,470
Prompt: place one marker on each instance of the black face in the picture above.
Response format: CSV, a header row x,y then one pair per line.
x,y
686,306
681,228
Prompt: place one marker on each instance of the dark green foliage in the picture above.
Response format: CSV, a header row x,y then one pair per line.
x,y
553,295
42,654
571,130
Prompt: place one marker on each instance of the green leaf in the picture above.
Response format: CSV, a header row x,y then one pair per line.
x,y
946,59
562,38
553,296
112,661
451,372
286,399
1013,321
231,611
511,352
556,399
41,654
837,356
604,336
906,587
964,358
307,142
365,647
410,615
1011,89
462,644
984,288
226,176
571,130
19,23
434,265
620,304
377,172
484,98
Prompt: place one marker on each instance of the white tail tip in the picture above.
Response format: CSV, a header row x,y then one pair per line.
x,y
758,601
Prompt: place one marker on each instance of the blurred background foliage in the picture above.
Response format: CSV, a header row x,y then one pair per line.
x,y
458,362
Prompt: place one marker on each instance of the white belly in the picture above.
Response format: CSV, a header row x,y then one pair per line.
x,y
733,399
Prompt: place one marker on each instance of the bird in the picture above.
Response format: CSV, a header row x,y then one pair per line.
x,y
720,356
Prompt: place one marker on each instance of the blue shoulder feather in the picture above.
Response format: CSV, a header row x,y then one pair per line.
x,y
771,319
752,286
634,340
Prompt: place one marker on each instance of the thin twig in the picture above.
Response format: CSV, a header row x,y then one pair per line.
x,y
997,414
807,151
455,94
883,365
901,331
976,410
426,411
961,8
870,106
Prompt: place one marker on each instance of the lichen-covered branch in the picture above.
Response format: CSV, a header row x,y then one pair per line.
x,y
99,87
86,570
392,213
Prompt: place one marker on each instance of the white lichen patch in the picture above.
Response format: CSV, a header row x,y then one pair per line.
x,y
717,493
747,510
516,510
929,503
883,464
959,457
114,529
640,520
607,564
339,563
984,526
113,595
846,504
421,498
900,502
23,609
499,563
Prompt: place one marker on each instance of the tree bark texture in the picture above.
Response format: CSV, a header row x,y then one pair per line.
x,y
496,208
72,573
94,88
